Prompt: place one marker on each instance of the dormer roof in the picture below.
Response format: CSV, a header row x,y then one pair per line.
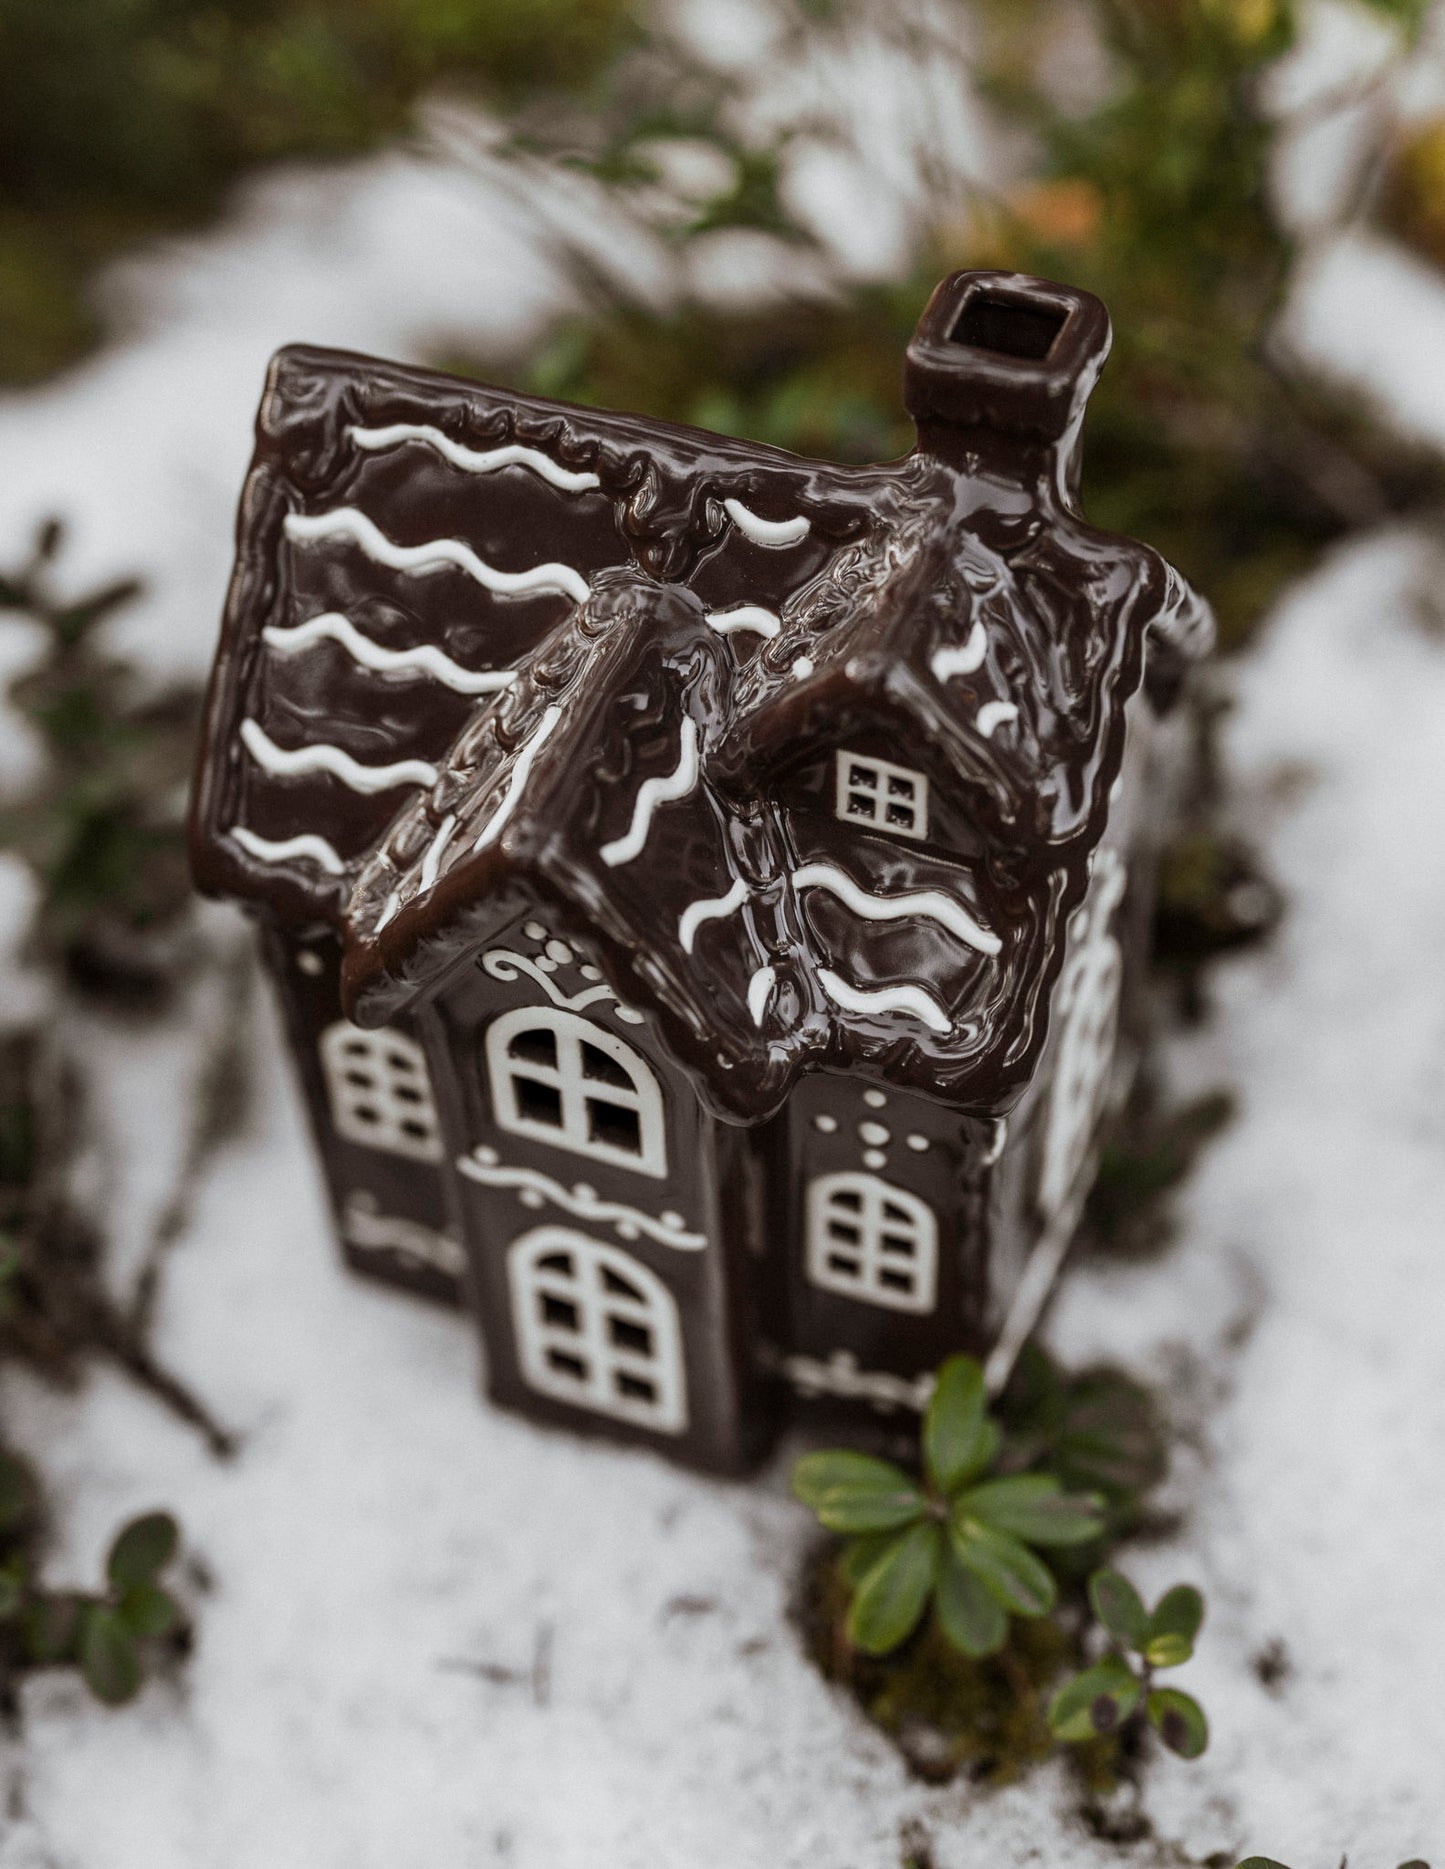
x,y
482,648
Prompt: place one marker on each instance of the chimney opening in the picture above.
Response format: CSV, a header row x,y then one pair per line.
x,y
1008,328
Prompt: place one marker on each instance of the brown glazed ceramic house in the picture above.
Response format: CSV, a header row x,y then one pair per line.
x,y
704,886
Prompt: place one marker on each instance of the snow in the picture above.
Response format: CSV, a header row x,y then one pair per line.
x,y
434,1634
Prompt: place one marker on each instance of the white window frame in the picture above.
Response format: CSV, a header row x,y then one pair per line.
x,y
587,1360
576,1093
379,1091
880,787
854,1226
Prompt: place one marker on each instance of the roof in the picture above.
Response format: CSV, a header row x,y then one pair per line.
x,y
482,648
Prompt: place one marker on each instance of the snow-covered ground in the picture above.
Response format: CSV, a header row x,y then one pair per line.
x,y
436,1635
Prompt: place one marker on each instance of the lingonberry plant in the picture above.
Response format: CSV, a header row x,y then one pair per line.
x,y
1120,1688
960,1536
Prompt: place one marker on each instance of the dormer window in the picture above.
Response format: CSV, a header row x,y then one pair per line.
x,y
881,795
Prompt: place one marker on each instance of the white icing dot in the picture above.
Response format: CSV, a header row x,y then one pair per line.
x,y
802,666
489,1156
875,1099
309,962
630,1014
534,931
627,1230
559,952
671,1219
873,1133
529,1197
920,1143
589,972
584,1191
826,1123
546,964
874,1158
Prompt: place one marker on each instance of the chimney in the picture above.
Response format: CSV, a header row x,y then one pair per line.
x,y
999,370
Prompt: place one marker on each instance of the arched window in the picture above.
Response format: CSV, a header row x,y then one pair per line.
x,y
872,1242
597,1329
562,1080
379,1091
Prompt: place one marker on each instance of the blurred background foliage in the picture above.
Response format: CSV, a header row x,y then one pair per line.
x,y
120,119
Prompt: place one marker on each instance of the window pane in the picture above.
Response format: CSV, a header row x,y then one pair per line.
x,y
614,1127
539,1103
537,1046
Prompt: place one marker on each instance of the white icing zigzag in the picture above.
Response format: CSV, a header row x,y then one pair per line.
x,y
993,714
472,460
431,862
495,824
307,844
910,999
585,1203
840,1375
710,909
655,792
423,660
760,991
298,762
775,532
932,903
345,522
946,663
744,616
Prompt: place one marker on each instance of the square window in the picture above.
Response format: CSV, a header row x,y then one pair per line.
x,y
635,1388
560,1312
875,791
566,1365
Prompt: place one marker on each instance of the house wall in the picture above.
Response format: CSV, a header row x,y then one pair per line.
x,y
856,1318
1025,1202
550,1232
386,1186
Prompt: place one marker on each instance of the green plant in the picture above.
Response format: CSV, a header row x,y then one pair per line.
x,y
101,823
1120,1688
109,1635
961,1536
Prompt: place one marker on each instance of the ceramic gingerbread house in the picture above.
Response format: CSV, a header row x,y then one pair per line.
x,y
704,886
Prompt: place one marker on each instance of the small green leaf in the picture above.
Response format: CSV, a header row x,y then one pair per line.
x,y
959,1440
967,1614
1119,1607
1169,1638
860,1554
146,1609
1179,1720
856,1493
48,1626
894,1593
1007,1569
142,1548
1035,1507
108,1657
1097,1701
